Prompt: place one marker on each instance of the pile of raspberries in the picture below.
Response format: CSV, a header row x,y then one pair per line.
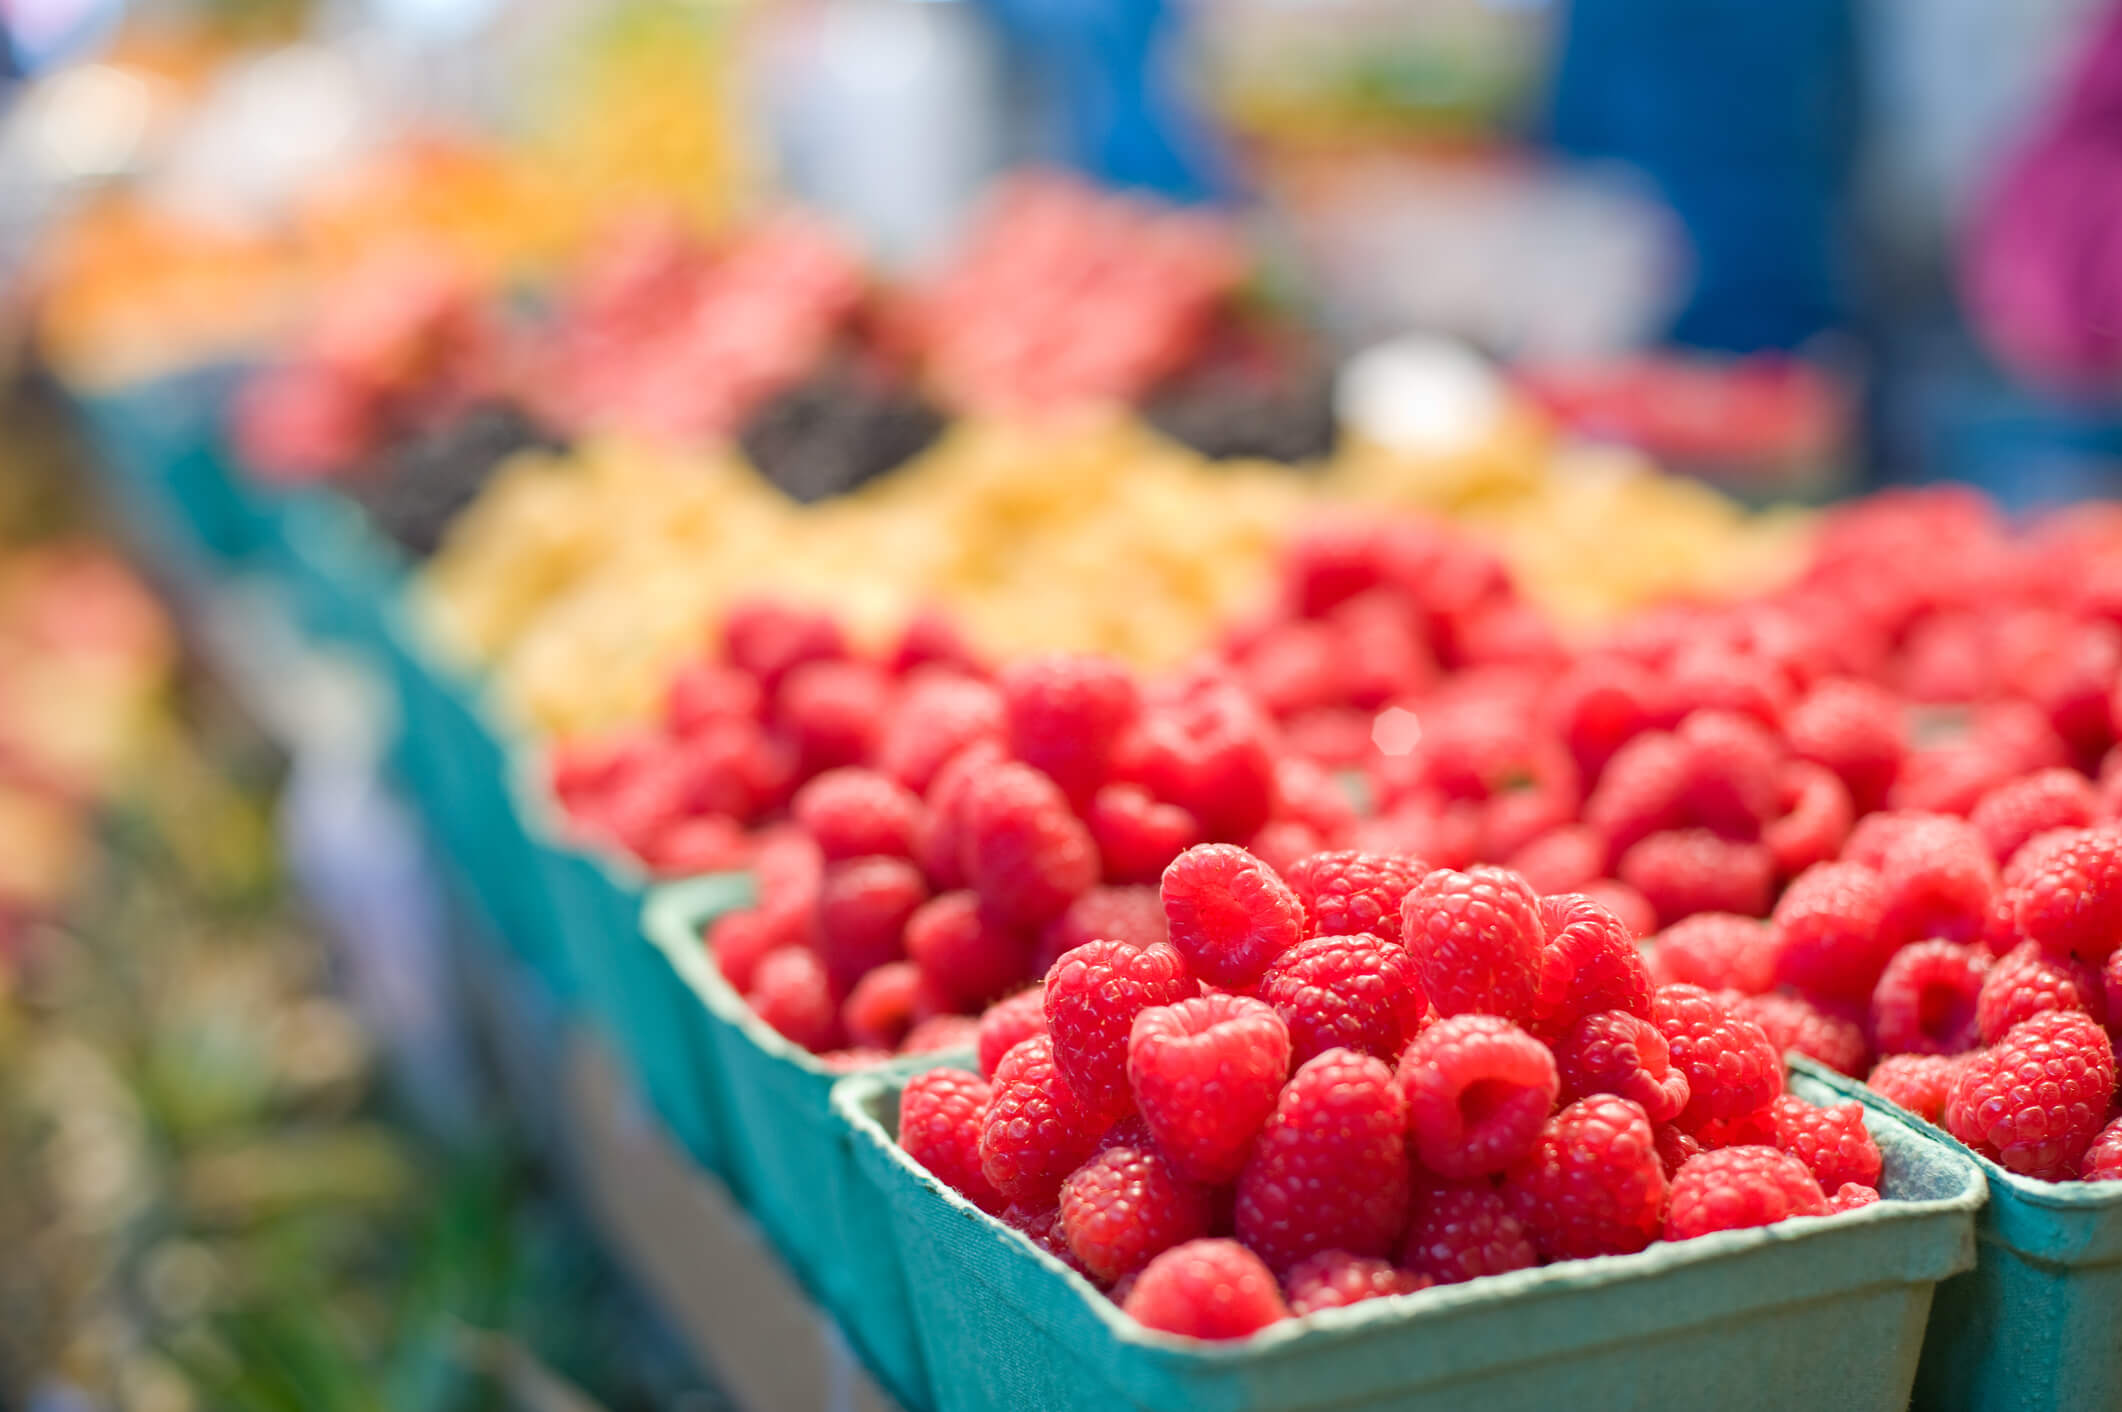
x,y
1363,1078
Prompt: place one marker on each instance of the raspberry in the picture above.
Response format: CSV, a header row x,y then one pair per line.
x,y
2035,1101
702,693
1206,1289
1346,992
2028,981
1022,850
832,713
1685,871
2072,900
789,872
863,908
1592,1184
1918,1082
854,1061
1461,1233
1093,994
937,716
1731,1068
1134,915
1007,1023
1624,902
1138,837
1614,1051
691,848
1735,1188
1561,860
1939,881
1815,820
1734,769
1335,1279
1829,919
1717,951
939,1126
1041,1226
1308,795
1477,941
2111,984
856,813
790,992
1598,706
770,640
1794,1023
1710,675
1065,712
881,1008
1854,729
1852,1196
1329,1169
1478,1089
965,958
943,839
2012,813
1035,1131
1124,1207
1284,842
1675,1146
1346,893
1642,791
1925,1000
1590,963
938,1033
932,639
1206,748
1229,913
1832,1142
2103,1160
740,940
1206,1074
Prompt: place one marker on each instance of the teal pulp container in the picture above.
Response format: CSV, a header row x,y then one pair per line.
x,y
787,1154
1805,1315
340,576
2037,1324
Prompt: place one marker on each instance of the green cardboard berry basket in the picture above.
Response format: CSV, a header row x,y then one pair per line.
x,y
788,1156
1808,1314
2037,1324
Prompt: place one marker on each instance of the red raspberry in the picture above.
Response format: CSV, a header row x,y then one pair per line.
x,y
1829,921
2066,668
939,1126
1614,1051
790,992
703,693
857,813
1208,749
2035,1101
1731,1068
1125,1206
1229,913
1035,1131
1041,1226
1134,915
1093,994
1925,1000
1561,860
1735,1188
1590,963
1854,729
1939,880
1477,941
1592,1184
1065,712
1346,992
789,872
938,1033
1284,842
1876,833
1329,1169
2012,813
1852,1196
1206,1074
691,848
943,839
1347,892
1309,795
1138,837
1717,951
932,639
881,1008
1598,706
1918,1082
2028,981
937,716
740,940
1008,1023
2072,899
1755,1129
863,908
1478,1089
1833,1143
1734,773
1624,902
1461,1233
1685,871
2103,1160
2111,983
1815,820
1675,1146
1023,851
832,713
770,639
965,958
1294,666
1334,1279
1793,1023
1642,791
1711,675
1206,1289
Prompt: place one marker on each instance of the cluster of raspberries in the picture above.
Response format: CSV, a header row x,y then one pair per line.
x,y
1362,1077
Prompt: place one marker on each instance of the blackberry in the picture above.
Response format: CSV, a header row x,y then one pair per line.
x,y
1229,416
834,432
423,482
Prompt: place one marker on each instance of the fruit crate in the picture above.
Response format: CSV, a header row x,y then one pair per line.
x,y
1802,1315
787,1155
2032,1326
